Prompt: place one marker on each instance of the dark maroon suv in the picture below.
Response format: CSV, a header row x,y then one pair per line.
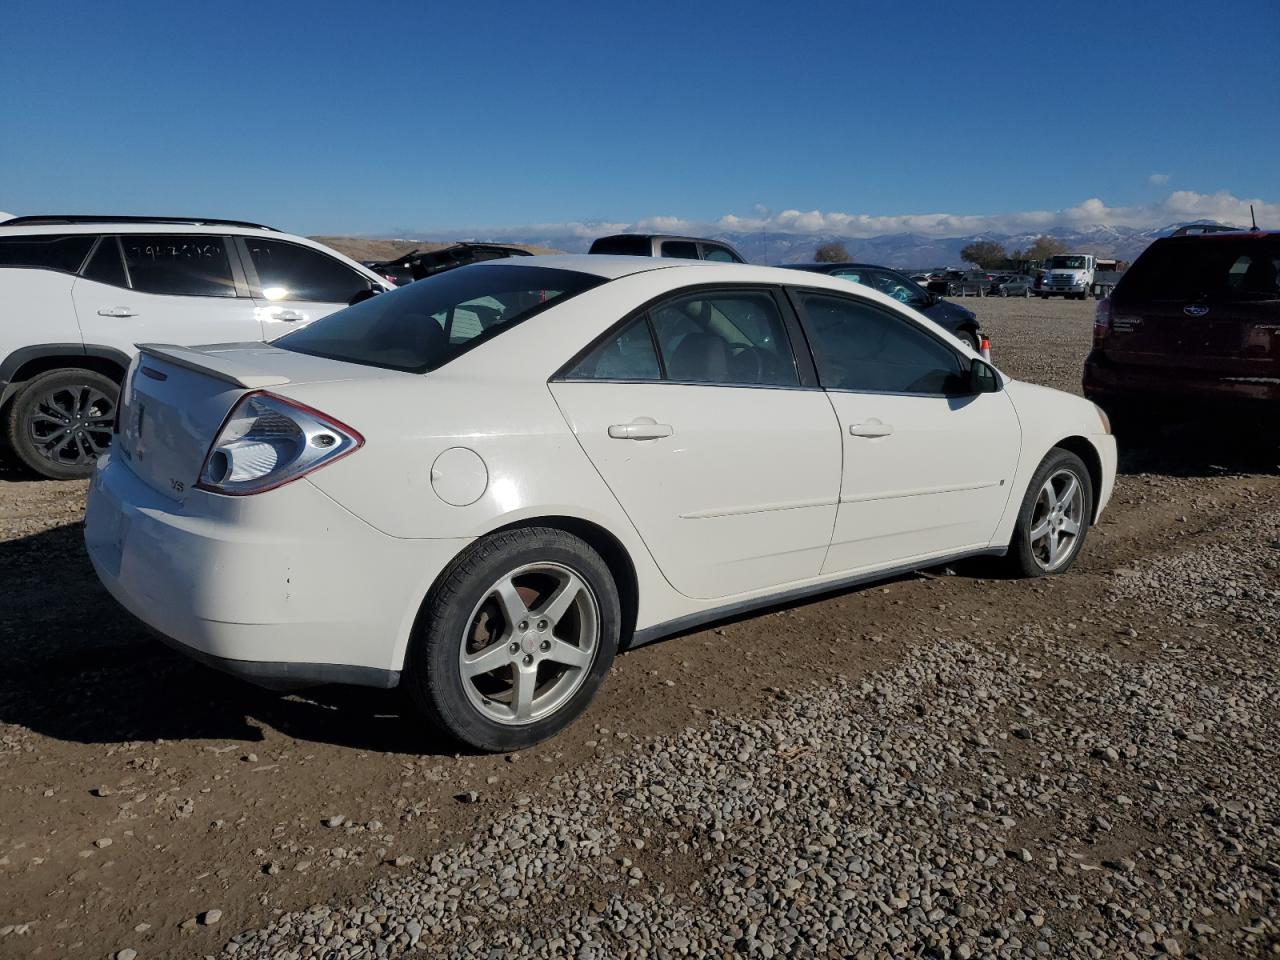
x,y
1195,322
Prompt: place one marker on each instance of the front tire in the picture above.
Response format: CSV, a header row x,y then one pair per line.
x,y
515,639
61,422
970,337
1053,520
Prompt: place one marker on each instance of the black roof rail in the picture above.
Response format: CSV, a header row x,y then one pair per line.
x,y
52,219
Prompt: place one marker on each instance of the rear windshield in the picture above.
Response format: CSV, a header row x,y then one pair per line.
x,y
1205,268
426,324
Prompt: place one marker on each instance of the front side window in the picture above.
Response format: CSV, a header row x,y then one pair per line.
x,y
718,254
290,271
680,249
424,325
857,346
900,288
48,251
176,265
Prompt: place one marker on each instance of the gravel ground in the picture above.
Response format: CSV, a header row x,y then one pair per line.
x,y
949,765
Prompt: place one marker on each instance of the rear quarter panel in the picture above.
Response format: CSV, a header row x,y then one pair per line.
x,y
37,308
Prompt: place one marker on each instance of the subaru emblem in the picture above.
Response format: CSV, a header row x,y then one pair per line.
x,y
1195,310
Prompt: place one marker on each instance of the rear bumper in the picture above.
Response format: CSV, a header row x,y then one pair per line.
x,y
1106,381
290,590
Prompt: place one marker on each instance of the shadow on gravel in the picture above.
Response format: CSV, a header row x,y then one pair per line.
x,y
76,667
1204,446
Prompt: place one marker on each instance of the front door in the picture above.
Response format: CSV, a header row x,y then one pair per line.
x,y
696,418
928,465
163,288
294,284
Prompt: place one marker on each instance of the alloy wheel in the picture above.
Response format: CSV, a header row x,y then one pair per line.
x,y
529,643
71,425
1057,520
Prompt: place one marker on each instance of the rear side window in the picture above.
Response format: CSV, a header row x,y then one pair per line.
x,y
177,265
424,325
623,246
717,337
49,251
1204,268
860,347
289,271
106,266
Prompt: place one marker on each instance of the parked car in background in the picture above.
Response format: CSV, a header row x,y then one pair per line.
x,y
1011,285
80,291
418,264
1195,322
662,245
539,460
950,316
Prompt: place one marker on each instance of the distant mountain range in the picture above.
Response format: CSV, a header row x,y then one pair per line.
x,y
906,250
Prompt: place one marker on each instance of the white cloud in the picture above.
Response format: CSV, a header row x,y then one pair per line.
x,y
1159,179
1178,206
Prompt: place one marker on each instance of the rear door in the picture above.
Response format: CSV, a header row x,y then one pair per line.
x,y
164,288
716,444
1208,303
295,284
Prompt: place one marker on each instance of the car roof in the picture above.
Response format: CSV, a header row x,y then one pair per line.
x,y
823,267
40,225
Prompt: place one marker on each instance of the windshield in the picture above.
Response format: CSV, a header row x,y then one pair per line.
x,y
1066,263
426,324
900,288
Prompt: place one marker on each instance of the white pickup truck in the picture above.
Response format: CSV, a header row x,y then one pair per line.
x,y
1068,275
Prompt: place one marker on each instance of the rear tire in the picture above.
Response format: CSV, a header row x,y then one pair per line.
x,y
61,422
515,639
1051,527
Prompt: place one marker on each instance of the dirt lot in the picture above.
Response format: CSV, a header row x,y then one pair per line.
x,y
950,765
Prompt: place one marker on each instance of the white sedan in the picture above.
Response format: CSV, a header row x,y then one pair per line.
x,y
482,484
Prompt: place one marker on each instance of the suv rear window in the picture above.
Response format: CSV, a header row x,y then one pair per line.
x,y
1204,268
50,251
426,324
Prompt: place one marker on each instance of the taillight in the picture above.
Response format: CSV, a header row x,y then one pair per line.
x,y
268,441
124,393
1102,320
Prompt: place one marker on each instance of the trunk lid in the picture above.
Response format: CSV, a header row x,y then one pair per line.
x,y
177,398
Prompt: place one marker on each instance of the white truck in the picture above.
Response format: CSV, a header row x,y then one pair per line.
x,y
1068,275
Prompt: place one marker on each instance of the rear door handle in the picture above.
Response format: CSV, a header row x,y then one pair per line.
x,y
640,431
870,428
290,316
117,312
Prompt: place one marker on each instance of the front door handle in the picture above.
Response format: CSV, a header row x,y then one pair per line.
x,y
870,428
117,312
290,316
640,431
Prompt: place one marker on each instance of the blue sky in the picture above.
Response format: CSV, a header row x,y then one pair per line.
x,y
404,117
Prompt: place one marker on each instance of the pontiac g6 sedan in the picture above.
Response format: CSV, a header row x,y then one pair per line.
x,y
482,484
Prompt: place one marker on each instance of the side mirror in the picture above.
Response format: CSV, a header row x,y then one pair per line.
x,y
983,377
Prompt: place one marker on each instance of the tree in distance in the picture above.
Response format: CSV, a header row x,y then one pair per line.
x,y
1041,250
986,254
832,252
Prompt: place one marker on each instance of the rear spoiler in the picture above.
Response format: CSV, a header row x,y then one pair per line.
x,y
212,365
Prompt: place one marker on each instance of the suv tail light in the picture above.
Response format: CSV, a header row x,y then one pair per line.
x,y
268,441
1102,321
